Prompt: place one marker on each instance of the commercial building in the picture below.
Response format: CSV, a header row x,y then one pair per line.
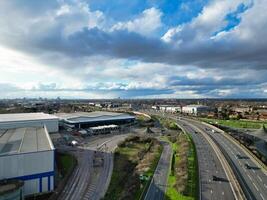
x,y
90,119
196,109
167,108
19,120
27,154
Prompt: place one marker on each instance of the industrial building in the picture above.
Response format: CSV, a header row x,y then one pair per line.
x,y
167,108
196,109
27,154
90,119
20,120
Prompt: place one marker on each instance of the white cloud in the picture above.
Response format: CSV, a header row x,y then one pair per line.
x,y
146,23
206,24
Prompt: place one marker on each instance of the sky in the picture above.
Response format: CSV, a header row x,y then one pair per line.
x,y
92,49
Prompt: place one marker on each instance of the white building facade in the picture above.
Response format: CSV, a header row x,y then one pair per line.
x,y
28,154
195,109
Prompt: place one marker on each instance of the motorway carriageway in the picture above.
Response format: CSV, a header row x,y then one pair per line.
x,y
213,180
255,180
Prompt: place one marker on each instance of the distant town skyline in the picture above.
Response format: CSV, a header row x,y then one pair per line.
x,y
97,49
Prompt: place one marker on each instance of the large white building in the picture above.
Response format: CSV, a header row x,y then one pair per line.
x,y
195,109
27,154
90,119
167,108
19,120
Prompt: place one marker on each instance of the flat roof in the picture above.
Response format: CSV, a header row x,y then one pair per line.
x,y
25,117
24,140
78,117
197,106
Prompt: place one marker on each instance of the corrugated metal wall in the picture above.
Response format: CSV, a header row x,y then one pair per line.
x,y
36,169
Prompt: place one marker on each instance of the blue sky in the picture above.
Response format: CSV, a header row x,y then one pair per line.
x,y
133,49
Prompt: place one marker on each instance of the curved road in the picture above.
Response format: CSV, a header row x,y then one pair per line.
x,y
254,178
213,180
87,181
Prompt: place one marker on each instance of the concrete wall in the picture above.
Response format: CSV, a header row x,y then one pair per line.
x,y
35,169
51,124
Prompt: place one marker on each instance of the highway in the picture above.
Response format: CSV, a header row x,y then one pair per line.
x,y
214,183
253,177
158,184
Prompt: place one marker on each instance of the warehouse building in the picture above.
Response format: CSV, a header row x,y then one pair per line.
x,y
27,154
90,119
196,109
19,120
167,108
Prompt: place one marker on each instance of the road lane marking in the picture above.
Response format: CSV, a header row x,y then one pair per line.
x,y
262,196
255,186
249,177
259,178
265,186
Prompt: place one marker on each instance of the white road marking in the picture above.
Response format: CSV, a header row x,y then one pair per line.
x,y
255,186
262,196
222,193
249,177
259,178
265,186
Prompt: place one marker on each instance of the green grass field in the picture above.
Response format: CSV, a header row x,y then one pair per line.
x,y
66,163
192,183
236,123
168,123
125,182
191,186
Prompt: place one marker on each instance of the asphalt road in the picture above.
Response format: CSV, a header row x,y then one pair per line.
x,y
157,187
88,182
213,180
254,178
77,185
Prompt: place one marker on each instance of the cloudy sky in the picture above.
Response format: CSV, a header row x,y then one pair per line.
x,y
133,49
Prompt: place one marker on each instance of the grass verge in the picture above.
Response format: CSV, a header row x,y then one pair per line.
x,y
135,160
236,123
166,122
66,163
183,175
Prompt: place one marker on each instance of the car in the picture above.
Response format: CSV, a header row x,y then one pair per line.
x,y
247,166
